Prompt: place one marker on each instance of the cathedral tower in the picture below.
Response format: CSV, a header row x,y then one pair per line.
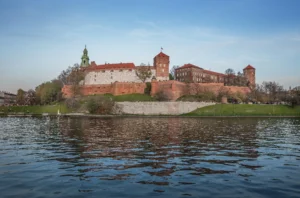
x,y
85,60
161,64
249,73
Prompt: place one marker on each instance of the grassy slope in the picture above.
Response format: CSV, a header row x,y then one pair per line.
x,y
35,109
127,97
246,110
133,98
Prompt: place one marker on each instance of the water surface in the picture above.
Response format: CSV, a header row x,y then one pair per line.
x,y
149,157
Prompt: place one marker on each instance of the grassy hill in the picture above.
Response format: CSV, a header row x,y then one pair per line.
x,y
246,110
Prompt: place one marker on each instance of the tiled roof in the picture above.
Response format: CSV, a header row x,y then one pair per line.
x,y
107,66
189,66
213,73
249,67
161,54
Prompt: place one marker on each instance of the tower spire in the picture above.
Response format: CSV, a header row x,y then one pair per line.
x,y
85,58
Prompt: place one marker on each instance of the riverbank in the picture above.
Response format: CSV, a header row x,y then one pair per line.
x,y
218,110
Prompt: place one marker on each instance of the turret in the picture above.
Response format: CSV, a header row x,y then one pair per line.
x,y
249,73
161,64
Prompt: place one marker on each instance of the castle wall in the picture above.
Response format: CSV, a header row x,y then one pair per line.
x,y
117,88
175,89
110,76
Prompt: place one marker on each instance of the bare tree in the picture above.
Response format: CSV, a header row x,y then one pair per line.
x,y
30,97
172,72
229,71
143,73
273,90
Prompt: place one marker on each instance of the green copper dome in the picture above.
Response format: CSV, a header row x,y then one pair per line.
x,y
85,60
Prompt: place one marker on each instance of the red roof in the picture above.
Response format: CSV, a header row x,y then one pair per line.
x,y
213,73
189,66
161,54
249,67
107,66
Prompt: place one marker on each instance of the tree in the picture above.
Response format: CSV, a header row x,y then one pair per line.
x,y
48,92
172,72
273,90
74,79
30,98
20,96
229,71
239,80
143,73
171,77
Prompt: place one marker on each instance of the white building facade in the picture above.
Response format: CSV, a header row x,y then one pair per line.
x,y
123,72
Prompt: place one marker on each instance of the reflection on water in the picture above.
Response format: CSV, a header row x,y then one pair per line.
x,y
135,157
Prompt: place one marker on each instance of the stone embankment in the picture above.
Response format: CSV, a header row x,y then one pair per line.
x,y
158,108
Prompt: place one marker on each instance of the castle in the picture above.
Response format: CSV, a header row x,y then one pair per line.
x,y
123,72
122,78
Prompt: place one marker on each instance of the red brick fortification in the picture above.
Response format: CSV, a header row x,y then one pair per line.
x,y
175,89
117,88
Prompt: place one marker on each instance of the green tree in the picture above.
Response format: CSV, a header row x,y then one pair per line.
x,y
20,97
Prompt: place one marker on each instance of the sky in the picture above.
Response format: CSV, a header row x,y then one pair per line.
x,y
40,38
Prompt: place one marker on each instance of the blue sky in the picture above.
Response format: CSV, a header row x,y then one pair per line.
x,y
40,38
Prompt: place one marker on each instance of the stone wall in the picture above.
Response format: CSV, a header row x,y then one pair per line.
x,y
158,108
117,88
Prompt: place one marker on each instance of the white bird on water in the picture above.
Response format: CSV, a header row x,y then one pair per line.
x,y
58,113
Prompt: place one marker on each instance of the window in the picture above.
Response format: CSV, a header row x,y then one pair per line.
x,y
130,69
162,70
103,71
111,70
121,70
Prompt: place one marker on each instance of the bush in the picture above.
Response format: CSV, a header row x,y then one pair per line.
x,y
100,104
161,96
148,88
72,103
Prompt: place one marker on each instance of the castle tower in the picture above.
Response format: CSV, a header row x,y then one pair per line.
x,y
249,73
161,63
85,60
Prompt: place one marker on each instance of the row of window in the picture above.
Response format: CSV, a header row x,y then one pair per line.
x,y
162,65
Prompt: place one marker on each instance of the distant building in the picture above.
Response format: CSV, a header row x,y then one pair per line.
x,y
7,98
194,74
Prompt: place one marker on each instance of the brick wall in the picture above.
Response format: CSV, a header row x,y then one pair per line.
x,y
117,88
175,89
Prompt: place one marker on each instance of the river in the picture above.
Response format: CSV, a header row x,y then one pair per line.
x,y
149,157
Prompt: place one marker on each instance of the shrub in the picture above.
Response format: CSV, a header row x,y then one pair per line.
x,y
72,103
161,96
148,88
100,104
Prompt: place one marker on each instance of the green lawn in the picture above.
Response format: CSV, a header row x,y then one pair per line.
x,y
35,109
246,110
133,98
